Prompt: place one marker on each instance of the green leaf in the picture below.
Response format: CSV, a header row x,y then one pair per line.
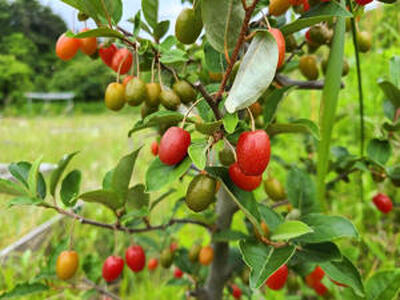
x,y
253,77
330,95
20,171
379,151
391,92
56,174
173,56
327,228
317,253
23,289
345,272
24,201
245,200
270,217
394,64
11,188
70,188
391,127
297,126
181,260
208,128
228,235
137,197
33,177
383,285
136,24
289,230
161,30
263,260
222,21
121,175
159,175
109,199
198,153
230,122
272,101
157,118
107,180
318,13
98,32
135,214
150,12
301,191
215,61
161,198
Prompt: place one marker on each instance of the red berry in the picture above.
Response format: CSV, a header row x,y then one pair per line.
x,y
315,276
107,54
174,145
135,258
306,5
122,61
236,291
112,268
308,37
88,45
363,2
178,273
154,148
383,203
253,151
280,40
244,182
173,246
320,288
277,280
66,48
152,264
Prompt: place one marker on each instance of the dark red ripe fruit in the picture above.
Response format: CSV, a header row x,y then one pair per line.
x,y
152,264
280,40
135,258
320,288
383,203
178,273
236,291
363,2
253,151
174,145
154,148
244,182
122,61
112,268
107,54
277,280
315,276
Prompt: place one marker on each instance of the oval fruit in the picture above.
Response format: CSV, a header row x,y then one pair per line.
x,y
315,276
152,264
166,258
153,91
154,148
278,279
127,79
280,40
236,291
364,40
253,152
112,268
308,67
274,189
178,273
242,181
194,252
345,71
169,99
88,45
174,145
290,43
206,255
226,157
200,193
184,91
278,7
122,61
67,264
107,53
188,26
135,91
115,96
135,258
66,48
383,203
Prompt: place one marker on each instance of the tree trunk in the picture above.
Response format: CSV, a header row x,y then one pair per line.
x,y
219,271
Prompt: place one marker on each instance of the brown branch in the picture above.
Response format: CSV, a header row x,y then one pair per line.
x,y
280,203
100,289
214,106
119,227
303,85
235,54
295,52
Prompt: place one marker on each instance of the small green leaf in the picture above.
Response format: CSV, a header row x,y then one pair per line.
x,y
109,199
137,197
161,29
297,126
383,285
228,235
317,253
11,188
70,187
197,152
159,175
56,174
20,171
23,289
263,260
173,56
272,100
157,118
379,151
33,177
24,201
98,32
161,198
215,61
150,12
208,128
270,217
289,230
391,92
230,122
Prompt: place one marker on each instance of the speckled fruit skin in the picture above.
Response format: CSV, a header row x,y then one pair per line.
x,y
154,148
135,91
278,279
308,67
127,79
88,45
185,91
166,258
253,152
242,181
178,273
115,96
383,203
152,264
67,264
135,258
124,58
66,48
174,145
200,193
112,268
107,54
280,40
153,91
169,99
188,26
206,255
274,189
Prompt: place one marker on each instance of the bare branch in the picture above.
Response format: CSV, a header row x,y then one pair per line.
x,y
303,85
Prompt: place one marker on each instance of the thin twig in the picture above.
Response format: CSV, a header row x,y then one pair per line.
x,y
280,203
214,106
303,85
100,289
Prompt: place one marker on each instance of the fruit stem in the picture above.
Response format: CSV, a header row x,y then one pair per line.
x,y
152,69
159,71
253,123
137,62
230,146
189,110
71,238
119,68
115,239
266,20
